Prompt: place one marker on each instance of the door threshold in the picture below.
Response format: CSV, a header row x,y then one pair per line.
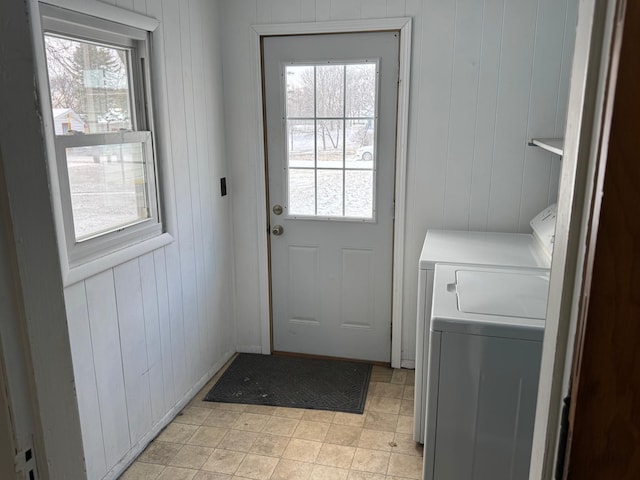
x,y
327,357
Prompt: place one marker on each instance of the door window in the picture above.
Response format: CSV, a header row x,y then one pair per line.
x,y
331,111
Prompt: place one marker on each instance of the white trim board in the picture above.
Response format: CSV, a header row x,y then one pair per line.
x,y
402,128
584,135
107,12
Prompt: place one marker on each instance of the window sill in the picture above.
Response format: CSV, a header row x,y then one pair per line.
x,y
78,273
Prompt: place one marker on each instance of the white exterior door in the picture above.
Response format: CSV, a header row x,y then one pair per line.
x,y
331,103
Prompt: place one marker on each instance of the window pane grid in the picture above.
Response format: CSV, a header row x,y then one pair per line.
x,y
104,163
344,133
315,139
331,118
333,154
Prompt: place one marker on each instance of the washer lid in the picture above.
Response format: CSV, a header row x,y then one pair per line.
x,y
504,293
496,302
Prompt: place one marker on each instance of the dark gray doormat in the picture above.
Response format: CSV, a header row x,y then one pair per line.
x,y
294,382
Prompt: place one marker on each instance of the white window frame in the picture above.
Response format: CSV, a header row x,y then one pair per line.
x,y
105,24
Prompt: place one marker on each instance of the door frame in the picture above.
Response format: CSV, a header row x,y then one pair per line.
x,y
586,135
403,25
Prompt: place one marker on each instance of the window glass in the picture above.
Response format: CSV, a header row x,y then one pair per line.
x,y
108,187
89,86
330,115
302,192
98,78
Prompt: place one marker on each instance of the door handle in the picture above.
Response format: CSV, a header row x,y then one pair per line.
x,y
277,230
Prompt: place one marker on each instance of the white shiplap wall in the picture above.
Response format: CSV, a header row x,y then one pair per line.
x,y
146,334
486,76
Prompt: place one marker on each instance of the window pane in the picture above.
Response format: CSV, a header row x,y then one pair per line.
x,y
361,90
330,90
300,90
330,192
108,187
359,143
301,192
330,128
358,194
300,145
89,86
329,143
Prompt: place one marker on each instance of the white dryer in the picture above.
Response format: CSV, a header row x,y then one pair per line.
x,y
528,250
487,327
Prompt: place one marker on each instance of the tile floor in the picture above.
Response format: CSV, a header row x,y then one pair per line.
x,y
223,441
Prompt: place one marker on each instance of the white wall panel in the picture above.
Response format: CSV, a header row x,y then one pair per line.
x,y
307,10
514,84
201,180
284,11
184,264
164,320
219,244
374,9
196,339
128,4
167,260
477,70
140,6
239,114
463,113
85,377
210,128
263,12
547,62
395,8
107,359
156,326
152,336
133,346
345,9
434,130
323,10
485,115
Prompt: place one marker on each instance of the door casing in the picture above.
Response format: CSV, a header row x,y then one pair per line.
x,y
403,25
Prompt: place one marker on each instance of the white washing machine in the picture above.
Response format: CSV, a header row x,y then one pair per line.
x,y
487,327
528,250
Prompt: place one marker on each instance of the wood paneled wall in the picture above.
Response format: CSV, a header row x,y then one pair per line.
x,y
486,77
146,334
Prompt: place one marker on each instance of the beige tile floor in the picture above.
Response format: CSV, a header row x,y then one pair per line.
x,y
224,441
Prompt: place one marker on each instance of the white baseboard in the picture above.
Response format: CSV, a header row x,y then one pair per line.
x,y
138,448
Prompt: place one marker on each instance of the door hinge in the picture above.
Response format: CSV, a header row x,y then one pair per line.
x,y
25,464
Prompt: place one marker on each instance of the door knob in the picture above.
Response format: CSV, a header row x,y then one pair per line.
x,y
277,209
277,230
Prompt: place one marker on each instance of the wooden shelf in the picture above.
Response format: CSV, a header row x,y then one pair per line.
x,y
553,145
